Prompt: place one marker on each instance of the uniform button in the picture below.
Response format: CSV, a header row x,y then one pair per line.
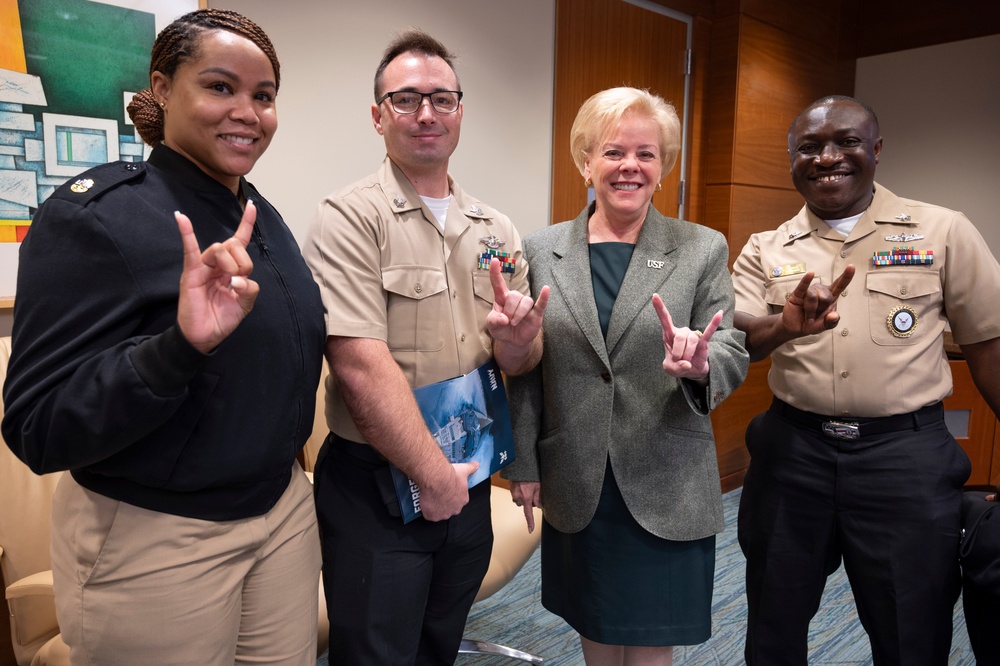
x,y
843,254
844,332
454,294
844,374
904,290
843,294
606,376
463,337
418,288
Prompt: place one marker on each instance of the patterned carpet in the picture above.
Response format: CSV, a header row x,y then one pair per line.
x,y
514,616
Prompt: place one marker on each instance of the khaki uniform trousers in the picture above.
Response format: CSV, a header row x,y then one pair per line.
x,y
134,586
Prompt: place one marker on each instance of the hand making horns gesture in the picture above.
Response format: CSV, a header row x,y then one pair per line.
x,y
685,351
215,291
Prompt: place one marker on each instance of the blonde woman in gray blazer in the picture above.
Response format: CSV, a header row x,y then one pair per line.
x,y
612,433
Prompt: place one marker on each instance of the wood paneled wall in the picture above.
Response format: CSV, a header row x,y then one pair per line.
x,y
764,71
730,421
978,442
885,26
587,62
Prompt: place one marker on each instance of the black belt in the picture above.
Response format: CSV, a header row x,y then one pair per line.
x,y
364,452
856,428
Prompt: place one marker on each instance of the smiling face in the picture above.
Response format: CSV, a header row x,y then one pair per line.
x,y
625,168
834,148
420,142
219,106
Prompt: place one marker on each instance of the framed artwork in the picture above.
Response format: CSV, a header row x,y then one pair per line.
x,y
68,68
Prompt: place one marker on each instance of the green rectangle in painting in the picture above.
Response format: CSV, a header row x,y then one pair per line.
x,y
81,147
86,54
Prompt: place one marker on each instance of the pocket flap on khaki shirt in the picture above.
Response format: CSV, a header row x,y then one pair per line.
x,y
776,292
904,284
417,282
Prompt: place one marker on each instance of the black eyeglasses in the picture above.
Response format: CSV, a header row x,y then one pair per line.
x,y
409,101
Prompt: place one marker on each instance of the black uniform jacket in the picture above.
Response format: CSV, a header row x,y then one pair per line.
x,y
102,383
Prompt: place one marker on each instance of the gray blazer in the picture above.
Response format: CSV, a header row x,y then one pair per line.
x,y
589,399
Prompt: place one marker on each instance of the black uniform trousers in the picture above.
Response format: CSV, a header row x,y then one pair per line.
x,y
887,503
395,593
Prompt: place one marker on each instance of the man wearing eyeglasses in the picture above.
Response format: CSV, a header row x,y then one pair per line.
x,y
421,282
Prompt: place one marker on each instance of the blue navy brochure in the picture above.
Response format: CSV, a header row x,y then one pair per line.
x,y
470,419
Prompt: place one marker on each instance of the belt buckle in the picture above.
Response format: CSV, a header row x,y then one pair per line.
x,y
842,430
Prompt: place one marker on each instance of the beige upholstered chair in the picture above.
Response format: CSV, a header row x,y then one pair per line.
x,y
320,429
32,638
512,547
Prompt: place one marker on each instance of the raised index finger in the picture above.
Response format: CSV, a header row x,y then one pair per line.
x,y
665,321
499,285
245,230
802,288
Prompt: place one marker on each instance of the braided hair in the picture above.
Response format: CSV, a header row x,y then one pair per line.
x,y
178,43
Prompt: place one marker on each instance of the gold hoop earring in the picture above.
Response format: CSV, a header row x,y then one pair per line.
x,y
588,182
659,187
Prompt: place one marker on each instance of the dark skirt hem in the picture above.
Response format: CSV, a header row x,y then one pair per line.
x,y
617,584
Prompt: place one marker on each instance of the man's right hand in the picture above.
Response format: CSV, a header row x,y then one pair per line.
x,y
812,307
446,497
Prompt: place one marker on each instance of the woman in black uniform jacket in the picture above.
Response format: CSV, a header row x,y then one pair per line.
x,y
173,383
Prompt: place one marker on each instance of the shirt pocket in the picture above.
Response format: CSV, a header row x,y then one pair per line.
x,y
482,287
416,307
776,292
912,295
482,302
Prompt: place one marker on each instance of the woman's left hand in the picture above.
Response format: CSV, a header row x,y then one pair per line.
x,y
685,351
527,495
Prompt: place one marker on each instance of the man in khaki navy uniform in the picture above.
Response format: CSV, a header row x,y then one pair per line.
x,y
853,459
415,293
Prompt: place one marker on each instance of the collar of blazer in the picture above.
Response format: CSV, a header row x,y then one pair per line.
x,y
649,268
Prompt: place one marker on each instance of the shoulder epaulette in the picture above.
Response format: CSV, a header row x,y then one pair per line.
x,y
480,210
92,183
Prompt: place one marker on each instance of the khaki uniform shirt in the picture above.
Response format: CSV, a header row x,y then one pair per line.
x,y
887,355
387,271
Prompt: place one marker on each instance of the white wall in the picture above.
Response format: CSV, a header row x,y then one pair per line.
x,y
329,52
939,111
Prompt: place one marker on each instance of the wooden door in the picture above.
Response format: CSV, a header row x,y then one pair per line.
x,y
602,44
972,411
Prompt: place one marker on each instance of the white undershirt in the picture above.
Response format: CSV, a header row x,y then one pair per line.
x,y
439,207
845,226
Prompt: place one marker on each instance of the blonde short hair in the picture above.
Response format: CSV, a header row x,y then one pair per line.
x,y
599,115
